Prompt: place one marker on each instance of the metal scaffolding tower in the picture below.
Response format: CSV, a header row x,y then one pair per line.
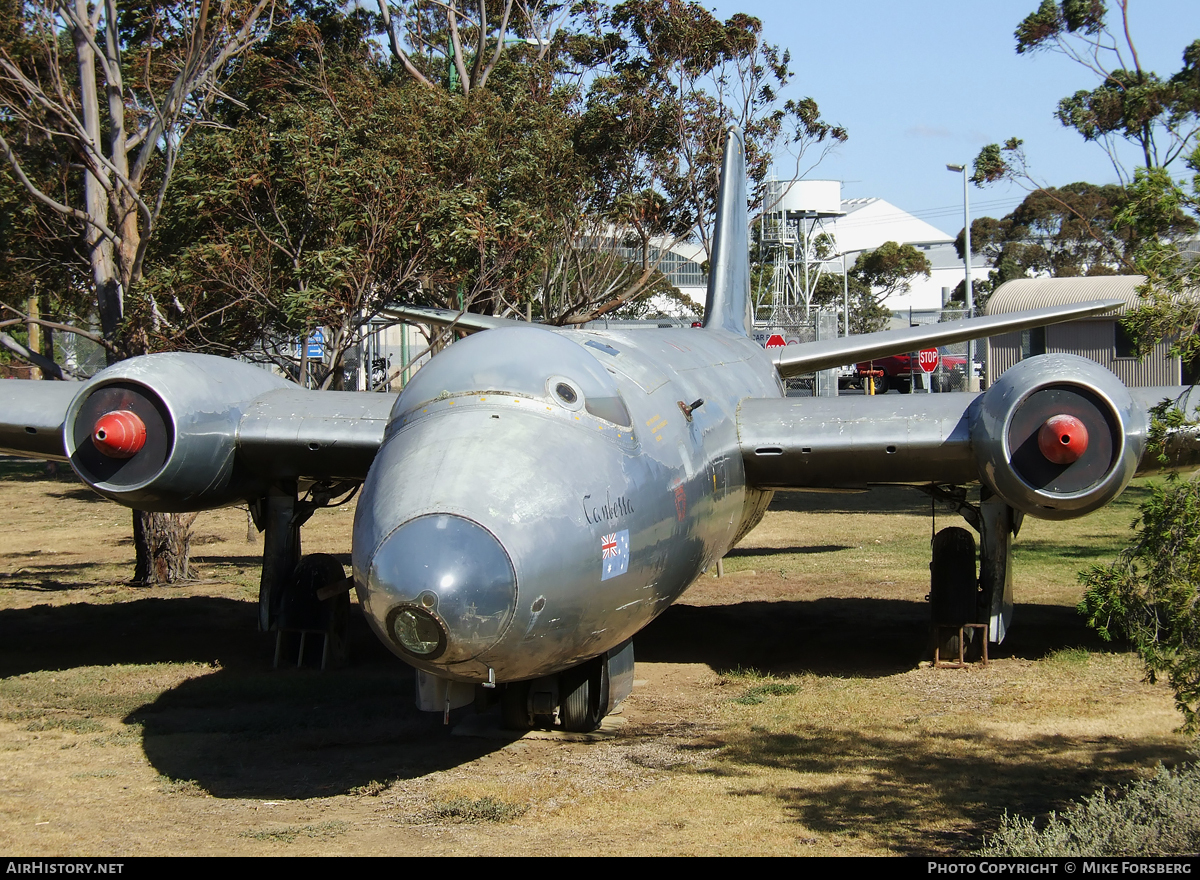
x,y
801,245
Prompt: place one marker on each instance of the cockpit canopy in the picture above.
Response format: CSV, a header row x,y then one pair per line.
x,y
527,362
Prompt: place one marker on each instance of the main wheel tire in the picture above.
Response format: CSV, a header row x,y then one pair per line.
x,y
303,610
904,386
881,384
954,589
583,696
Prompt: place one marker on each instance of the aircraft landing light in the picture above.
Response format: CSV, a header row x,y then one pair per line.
x,y
1063,439
119,434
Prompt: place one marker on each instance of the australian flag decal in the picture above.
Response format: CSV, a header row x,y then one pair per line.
x,y
614,553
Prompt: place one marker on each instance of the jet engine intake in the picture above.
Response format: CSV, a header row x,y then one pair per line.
x,y
1058,436
160,432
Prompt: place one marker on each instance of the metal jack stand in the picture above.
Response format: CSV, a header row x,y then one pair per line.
x,y
939,633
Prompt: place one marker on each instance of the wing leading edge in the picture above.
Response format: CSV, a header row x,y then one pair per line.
x,y
212,414
993,437
829,353
467,321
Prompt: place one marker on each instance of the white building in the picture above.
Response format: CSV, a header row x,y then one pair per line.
x,y
868,223
859,225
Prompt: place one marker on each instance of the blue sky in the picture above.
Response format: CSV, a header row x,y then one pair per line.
x,y
922,84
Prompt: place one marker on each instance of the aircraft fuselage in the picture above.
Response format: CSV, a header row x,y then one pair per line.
x,y
542,495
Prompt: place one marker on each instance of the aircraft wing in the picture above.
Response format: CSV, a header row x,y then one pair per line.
x,y
294,432
829,353
31,416
468,321
853,442
1056,436
212,431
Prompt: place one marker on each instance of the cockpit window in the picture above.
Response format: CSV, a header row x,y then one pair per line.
x,y
611,409
521,361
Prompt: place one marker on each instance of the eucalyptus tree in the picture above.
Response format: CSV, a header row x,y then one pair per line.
x,y
649,87
96,101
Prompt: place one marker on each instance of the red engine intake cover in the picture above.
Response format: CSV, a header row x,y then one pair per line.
x,y
1063,439
119,434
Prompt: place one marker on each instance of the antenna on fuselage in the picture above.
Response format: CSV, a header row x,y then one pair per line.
x,y
728,304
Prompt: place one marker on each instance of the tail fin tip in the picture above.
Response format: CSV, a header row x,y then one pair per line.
x,y
728,302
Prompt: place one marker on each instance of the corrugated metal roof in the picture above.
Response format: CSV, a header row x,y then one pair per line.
x,y
1039,293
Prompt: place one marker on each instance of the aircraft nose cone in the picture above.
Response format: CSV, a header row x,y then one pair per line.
x,y
445,586
1063,439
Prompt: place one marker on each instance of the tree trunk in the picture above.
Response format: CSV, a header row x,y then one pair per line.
x,y
162,542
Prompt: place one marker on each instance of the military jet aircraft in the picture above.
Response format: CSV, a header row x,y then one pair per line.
x,y
535,496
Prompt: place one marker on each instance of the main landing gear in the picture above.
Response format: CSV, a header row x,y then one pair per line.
x,y
301,596
957,595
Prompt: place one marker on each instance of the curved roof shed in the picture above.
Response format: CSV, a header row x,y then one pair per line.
x,y
1100,338
1039,293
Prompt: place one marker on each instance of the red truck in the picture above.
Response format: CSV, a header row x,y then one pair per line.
x,y
898,371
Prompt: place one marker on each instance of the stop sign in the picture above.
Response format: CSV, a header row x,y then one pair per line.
x,y
776,341
928,359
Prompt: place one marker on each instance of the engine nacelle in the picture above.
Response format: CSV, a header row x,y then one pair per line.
x,y
1058,436
159,432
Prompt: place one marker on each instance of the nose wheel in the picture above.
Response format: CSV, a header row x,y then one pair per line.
x,y
583,695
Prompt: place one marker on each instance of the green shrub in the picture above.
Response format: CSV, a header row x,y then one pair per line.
x,y
1149,594
1158,816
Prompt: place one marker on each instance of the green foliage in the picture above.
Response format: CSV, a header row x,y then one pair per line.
x,y
340,185
1076,230
289,833
472,810
1169,308
996,162
1149,594
670,77
1053,20
891,267
1131,104
875,276
1159,816
759,693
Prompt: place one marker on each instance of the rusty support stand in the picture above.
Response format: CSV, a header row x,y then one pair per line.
x,y
938,630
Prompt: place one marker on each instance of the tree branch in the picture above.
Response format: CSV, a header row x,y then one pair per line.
x,y
40,196
394,41
42,362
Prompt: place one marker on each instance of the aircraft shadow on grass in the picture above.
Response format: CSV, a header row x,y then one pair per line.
x,y
783,551
245,730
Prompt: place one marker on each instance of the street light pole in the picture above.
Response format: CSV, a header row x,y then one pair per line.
x,y
972,382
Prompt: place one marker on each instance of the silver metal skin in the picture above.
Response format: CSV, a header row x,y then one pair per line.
x,y
954,439
486,436
228,430
192,405
31,417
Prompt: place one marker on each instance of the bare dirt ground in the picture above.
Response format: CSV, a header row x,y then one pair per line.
x,y
782,709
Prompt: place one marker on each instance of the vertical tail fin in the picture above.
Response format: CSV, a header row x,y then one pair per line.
x,y
728,304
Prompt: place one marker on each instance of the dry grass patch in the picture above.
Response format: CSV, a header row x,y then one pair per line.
x,y
784,709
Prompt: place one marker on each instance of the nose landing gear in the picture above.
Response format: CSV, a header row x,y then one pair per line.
x,y
583,695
